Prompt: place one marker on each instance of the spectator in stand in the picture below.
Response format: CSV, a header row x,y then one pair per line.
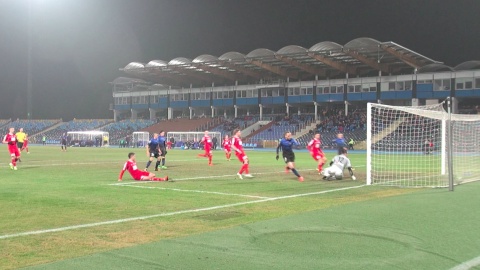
x,y
340,142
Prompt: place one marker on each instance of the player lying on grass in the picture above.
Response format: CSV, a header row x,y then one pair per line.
x,y
137,174
337,165
287,144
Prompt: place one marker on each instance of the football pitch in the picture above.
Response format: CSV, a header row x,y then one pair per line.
x,y
68,211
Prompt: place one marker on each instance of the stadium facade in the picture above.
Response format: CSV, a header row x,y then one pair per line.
x,y
293,80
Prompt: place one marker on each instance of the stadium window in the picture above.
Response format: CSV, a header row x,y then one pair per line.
x,y
216,95
290,91
477,83
319,90
326,90
296,91
392,86
399,86
275,93
310,91
207,95
333,89
442,85
303,91
281,92
358,88
408,85
468,84
351,88
340,89
231,94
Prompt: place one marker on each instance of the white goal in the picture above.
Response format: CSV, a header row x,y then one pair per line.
x,y
421,146
140,138
188,137
92,138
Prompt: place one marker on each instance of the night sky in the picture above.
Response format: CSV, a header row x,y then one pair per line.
x,y
79,45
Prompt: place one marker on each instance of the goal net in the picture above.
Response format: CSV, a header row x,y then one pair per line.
x,y
410,146
191,137
92,138
140,138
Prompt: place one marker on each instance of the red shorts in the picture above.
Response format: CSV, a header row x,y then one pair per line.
x,y
227,149
208,151
241,156
141,174
13,149
317,156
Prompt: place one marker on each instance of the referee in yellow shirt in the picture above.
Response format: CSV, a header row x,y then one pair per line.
x,y
20,138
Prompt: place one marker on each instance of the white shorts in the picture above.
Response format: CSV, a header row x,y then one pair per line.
x,y
333,171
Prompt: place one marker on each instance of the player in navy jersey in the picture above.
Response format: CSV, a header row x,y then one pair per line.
x,y
63,142
153,152
162,145
286,145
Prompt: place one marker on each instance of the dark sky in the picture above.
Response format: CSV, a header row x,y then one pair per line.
x,y
79,45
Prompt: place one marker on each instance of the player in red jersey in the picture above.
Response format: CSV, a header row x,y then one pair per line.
x,y
138,175
227,147
25,144
314,146
207,145
240,153
11,140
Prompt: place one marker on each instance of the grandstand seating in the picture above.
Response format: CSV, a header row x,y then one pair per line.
x,y
3,122
53,136
119,130
33,126
181,124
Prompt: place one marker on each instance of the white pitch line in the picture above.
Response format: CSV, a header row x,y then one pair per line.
x,y
468,264
201,191
89,225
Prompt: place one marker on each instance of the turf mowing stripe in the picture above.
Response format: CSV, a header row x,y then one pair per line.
x,y
74,227
201,191
81,163
468,264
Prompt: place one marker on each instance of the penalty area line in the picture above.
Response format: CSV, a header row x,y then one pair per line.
x,y
117,221
468,264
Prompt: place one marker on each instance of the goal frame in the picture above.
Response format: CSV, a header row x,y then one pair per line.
x,y
90,135
140,137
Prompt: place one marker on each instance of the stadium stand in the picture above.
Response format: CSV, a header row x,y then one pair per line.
x,y
182,124
4,122
33,126
119,130
53,135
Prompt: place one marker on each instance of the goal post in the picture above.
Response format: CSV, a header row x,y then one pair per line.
x,y
422,146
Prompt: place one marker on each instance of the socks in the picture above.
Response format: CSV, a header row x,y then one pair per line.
x,y
156,165
148,164
14,161
159,179
163,161
295,172
320,168
210,159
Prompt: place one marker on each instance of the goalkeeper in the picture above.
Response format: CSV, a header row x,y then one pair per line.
x,y
337,165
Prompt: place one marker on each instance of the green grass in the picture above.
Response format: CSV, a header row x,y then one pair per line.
x,y
260,223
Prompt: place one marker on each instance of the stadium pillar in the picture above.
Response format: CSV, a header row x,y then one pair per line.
x,y
213,111
346,108
261,111
236,110
116,115
134,114
191,112
415,102
316,110
153,113
454,105
288,109
169,113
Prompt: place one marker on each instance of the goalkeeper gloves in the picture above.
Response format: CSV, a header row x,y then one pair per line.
x,y
276,157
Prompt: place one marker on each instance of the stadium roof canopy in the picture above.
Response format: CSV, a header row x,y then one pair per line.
x,y
359,57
